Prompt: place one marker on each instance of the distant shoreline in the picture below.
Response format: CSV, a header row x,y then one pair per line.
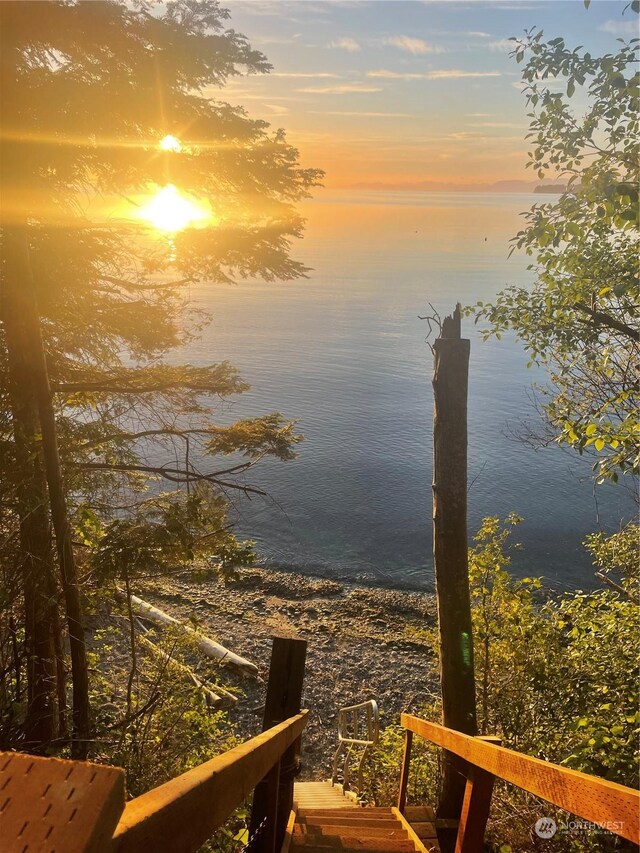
x,y
498,187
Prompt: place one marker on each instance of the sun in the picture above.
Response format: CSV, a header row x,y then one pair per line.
x,y
171,143
170,211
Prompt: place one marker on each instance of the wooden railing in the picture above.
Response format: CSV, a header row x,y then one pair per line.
x,y
184,812
606,804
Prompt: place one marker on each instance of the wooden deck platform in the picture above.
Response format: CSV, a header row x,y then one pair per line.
x,y
57,806
328,821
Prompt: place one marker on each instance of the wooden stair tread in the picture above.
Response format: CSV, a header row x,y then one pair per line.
x,y
419,814
347,820
371,812
331,843
320,795
392,830
363,847
367,830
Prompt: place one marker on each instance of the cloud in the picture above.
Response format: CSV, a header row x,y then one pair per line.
x,y
444,74
314,75
502,46
478,34
270,40
359,114
509,124
346,43
465,136
619,27
454,74
397,75
343,89
278,109
416,46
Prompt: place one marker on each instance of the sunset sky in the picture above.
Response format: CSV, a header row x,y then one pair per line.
x,y
399,93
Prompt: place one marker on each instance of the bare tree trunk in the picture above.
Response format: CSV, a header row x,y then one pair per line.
x,y
450,552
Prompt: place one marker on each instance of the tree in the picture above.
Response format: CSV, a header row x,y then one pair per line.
x,y
91,304
580,318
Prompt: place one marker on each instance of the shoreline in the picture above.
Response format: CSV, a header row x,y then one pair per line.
x,y
363,643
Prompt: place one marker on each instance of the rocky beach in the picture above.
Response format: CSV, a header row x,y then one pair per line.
x,y
364,643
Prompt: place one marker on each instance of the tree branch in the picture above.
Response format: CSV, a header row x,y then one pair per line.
x,y
176,475
603,319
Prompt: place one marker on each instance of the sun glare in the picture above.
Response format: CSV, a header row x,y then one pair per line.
x,y
171,143
169,210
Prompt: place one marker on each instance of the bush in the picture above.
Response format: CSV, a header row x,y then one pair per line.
x,y
555,679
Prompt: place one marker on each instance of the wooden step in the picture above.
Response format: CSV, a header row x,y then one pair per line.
x,y
419,814
370,812
332,843
320,828
360,818
320,795
392,847
394,830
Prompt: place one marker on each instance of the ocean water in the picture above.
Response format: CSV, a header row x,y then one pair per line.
x,y
345,353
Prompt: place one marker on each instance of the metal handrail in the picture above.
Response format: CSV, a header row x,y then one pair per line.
x,y
350,721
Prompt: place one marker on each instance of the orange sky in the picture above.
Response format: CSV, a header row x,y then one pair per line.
x,y
405,92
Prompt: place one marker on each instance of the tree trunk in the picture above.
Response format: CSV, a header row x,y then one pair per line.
x,y
450,383
31,395
35,534
16,248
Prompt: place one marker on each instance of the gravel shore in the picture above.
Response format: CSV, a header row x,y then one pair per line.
x,y
363,643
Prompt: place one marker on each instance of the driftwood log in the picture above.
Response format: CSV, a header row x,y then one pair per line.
x,y
207,646
212,699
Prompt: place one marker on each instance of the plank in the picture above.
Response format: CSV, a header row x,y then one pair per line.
x,y
392,847
56,805
596,800
355,842
375,831
420,845
418,814
311,795
288,833
348,819
200,800
424,829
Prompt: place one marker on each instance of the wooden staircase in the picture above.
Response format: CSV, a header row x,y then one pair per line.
x,y
327,821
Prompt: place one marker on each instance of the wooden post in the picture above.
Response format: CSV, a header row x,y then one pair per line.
x,y
284,697
450,383
475,807
404,774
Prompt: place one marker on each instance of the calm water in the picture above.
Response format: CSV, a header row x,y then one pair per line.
x,y
344,352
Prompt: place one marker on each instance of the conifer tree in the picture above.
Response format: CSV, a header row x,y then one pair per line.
x,y
93,414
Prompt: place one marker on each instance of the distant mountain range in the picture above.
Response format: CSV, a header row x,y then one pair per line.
x,y
442,186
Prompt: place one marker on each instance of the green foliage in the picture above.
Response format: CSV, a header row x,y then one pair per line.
x,y
167,532
548,670
556,678
168,729
580,319
381,774
617,556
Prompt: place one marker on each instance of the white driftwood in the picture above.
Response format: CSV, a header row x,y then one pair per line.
x,y
211,698
208,647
